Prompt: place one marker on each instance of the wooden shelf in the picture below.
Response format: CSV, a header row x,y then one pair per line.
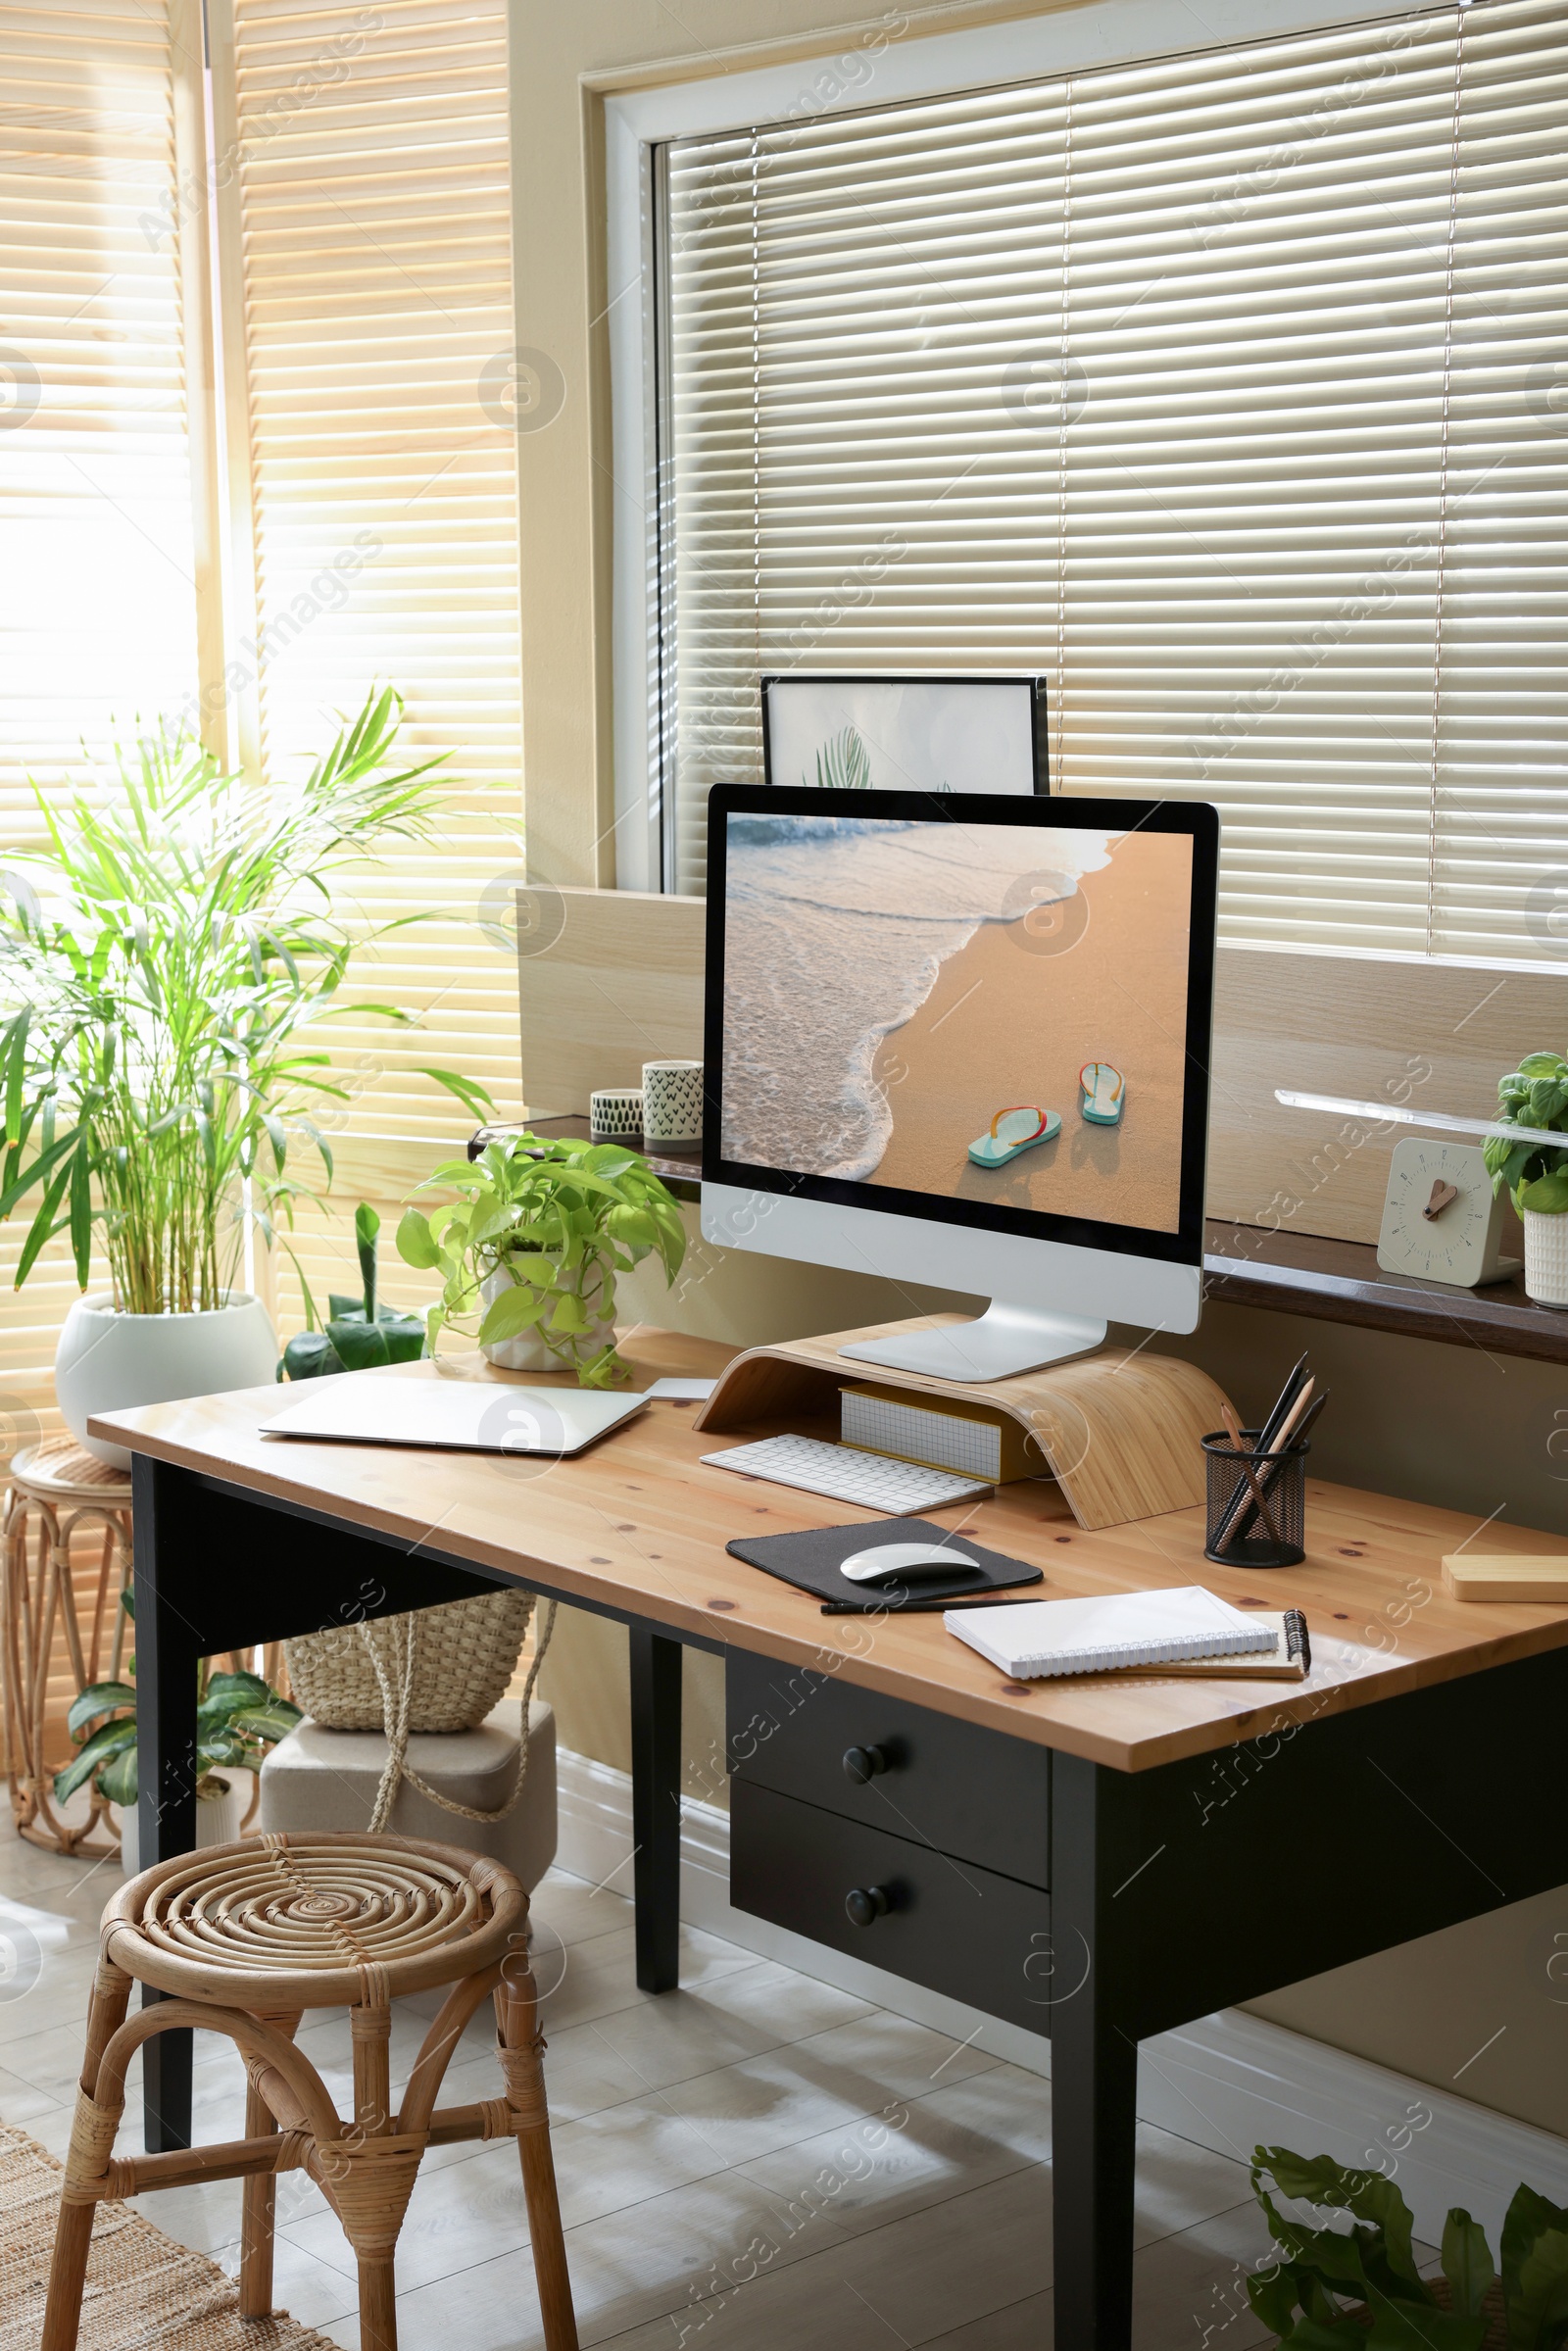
x,y
1342,1281
1299,1273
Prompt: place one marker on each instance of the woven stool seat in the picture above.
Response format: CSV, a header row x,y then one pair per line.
x,y
60,1470
243,1939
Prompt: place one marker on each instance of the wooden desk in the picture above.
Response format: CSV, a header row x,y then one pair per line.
x,y
1207,1842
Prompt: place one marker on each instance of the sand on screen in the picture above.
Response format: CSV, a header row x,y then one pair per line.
x,y
889,986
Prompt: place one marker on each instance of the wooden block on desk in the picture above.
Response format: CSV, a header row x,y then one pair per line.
x,y
1497,1577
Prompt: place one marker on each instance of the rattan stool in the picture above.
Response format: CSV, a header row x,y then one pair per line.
x,y
68,1489
241,1939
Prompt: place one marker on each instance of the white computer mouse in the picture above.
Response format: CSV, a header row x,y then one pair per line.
x,y
903,1560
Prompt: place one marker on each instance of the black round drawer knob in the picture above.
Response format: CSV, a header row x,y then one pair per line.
x,y
864,1903
861,1764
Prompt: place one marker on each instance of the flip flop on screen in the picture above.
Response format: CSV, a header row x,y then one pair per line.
x,y
1012,1131
1104,1092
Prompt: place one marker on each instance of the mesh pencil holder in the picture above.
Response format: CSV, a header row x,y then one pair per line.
x,y
1236,1535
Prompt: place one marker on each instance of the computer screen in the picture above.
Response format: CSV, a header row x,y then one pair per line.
x,y
989,1012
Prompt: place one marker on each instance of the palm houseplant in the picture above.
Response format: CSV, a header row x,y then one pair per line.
x,y
1536,1094
170,961
238,1718
530,1247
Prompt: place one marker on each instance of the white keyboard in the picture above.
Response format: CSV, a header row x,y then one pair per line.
x,y
846,1475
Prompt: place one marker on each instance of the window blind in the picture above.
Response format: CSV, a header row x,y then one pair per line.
x,y
369,253
1229,392
97,602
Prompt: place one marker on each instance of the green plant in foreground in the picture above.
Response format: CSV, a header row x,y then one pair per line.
x,y
1308,2298
559,1219
1535,1095
359,1331
238,1717
164,963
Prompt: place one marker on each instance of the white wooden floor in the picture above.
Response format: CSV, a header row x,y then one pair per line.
x,y
757,2161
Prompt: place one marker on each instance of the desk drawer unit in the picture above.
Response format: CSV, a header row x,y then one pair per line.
x,y
903,1770
897,1836
947,1924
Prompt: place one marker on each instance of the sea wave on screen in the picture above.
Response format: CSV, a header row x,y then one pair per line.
x,y
836,929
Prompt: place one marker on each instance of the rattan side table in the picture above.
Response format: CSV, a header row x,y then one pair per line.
x,y
56,1489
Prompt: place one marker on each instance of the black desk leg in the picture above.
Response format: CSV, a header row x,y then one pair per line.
x,y
656,1806
167,1657
1093,2072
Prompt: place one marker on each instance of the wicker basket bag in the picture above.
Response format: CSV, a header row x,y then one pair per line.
x,y
433,1670
467,1653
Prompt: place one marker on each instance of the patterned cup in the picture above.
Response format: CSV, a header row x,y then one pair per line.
x,y
672,1104
616,1114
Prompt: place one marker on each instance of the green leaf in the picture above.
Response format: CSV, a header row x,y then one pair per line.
x,y
416,1243
1466,2262
226,1692
1547,1194
311,1356
101,1697
516,1310
366,1225
1532,2260
1542,1065
16,1074
111,1741
470,1093
117,1778
269,1723
361,1346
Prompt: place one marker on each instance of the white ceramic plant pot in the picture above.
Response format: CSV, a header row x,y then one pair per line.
x,y
107,1361
218,1818
1547,1257
526,1352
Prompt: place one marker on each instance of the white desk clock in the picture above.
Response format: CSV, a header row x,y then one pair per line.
x,y
1440,1220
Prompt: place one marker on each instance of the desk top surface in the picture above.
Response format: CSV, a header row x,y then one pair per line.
x,y
639,1524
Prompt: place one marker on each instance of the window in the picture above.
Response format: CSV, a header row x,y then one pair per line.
x,y
1228,391
258,452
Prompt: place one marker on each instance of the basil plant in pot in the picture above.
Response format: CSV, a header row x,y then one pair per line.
x,y
167,960
529,1250
1536,1094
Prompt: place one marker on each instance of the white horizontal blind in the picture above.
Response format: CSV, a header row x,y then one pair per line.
x,y
1220,391
376,293
97,602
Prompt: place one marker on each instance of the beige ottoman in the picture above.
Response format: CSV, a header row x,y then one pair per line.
x,y
317,1778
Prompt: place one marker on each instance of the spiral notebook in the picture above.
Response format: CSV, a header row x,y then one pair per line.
x,y
1041,1638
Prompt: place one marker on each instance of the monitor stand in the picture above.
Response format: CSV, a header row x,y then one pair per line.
x,y
1003,1340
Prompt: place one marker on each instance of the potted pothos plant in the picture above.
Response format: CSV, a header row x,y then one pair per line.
x,y
1335,2285
238,1718
170,961
1536,1094
358,1332
529,1250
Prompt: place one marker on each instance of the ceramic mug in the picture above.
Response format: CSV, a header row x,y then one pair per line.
x,y
672,1104
616,1114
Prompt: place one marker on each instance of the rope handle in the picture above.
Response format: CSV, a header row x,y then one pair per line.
x,y
392,1644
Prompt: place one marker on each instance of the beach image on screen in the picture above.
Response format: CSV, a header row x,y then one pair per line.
x,y
986,1012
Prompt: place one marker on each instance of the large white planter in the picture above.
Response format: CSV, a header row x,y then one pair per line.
x,y
219,1814
107,1361
1547,1257
526,1352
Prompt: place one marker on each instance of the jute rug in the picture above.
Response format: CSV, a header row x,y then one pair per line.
x,y
144,2292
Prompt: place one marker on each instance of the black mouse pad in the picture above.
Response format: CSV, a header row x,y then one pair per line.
x,y
810,1560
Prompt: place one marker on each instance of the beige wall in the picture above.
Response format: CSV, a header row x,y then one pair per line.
x,y
1452,1425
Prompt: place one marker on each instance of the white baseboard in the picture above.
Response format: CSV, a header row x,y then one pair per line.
x,y
1229,2082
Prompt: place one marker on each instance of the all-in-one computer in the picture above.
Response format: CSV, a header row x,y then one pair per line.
x,y
964,1039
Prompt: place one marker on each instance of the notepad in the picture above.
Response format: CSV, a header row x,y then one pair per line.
x,y
1041,1638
